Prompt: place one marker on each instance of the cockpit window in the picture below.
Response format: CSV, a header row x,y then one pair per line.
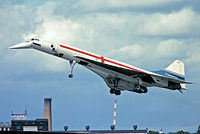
x,y
36,44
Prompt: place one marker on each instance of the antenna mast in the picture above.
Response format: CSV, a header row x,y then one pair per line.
x,y
114,116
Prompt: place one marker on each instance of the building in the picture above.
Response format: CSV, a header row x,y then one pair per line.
x,y
5,126
20,122
29,125
23,116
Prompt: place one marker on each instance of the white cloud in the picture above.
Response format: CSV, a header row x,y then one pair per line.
x,y
15,20
182,22
193,57
110,34
46,10
169,48
94,29
130,52
57,29
32,60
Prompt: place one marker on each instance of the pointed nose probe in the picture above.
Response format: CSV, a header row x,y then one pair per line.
x,y
23,45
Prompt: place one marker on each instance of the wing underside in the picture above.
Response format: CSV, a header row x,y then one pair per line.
x,y
131,73
148,79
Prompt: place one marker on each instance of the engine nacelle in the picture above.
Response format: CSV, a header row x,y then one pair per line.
x,y
174,86
140,90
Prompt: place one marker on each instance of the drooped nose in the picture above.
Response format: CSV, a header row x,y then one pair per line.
x,y
23,45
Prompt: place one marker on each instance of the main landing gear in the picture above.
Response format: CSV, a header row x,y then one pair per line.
x,y
72,63
115,90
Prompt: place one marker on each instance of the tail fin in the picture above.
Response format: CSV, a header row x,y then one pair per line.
x,y
177,67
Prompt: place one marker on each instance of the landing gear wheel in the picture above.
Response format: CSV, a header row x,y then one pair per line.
x,y
117,92
112,91
70,75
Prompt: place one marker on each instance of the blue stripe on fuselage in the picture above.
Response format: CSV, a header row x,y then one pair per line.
x,y
169,74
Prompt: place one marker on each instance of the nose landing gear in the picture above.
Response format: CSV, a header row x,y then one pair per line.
x,y
72,63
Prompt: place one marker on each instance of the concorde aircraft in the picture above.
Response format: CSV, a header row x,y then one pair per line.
x,y
117,75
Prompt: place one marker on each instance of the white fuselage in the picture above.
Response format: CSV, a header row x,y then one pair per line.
x,y
70,53
100,65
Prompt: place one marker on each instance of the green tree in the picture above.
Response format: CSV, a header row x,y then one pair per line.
x,y
182,132
153,132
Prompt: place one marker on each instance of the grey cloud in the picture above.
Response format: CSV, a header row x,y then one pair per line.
x,y
114,4
5,3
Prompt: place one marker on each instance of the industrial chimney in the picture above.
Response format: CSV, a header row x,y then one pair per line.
x,y
47,112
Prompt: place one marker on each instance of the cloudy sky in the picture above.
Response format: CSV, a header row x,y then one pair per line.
x,y
149,34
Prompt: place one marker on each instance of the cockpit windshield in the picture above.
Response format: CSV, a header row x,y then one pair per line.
x,y
32,39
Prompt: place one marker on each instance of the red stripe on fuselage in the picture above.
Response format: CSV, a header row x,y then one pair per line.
x,y
80,52
101,58
122,65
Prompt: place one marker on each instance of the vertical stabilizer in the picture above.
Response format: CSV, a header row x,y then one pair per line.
x,y
176,67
